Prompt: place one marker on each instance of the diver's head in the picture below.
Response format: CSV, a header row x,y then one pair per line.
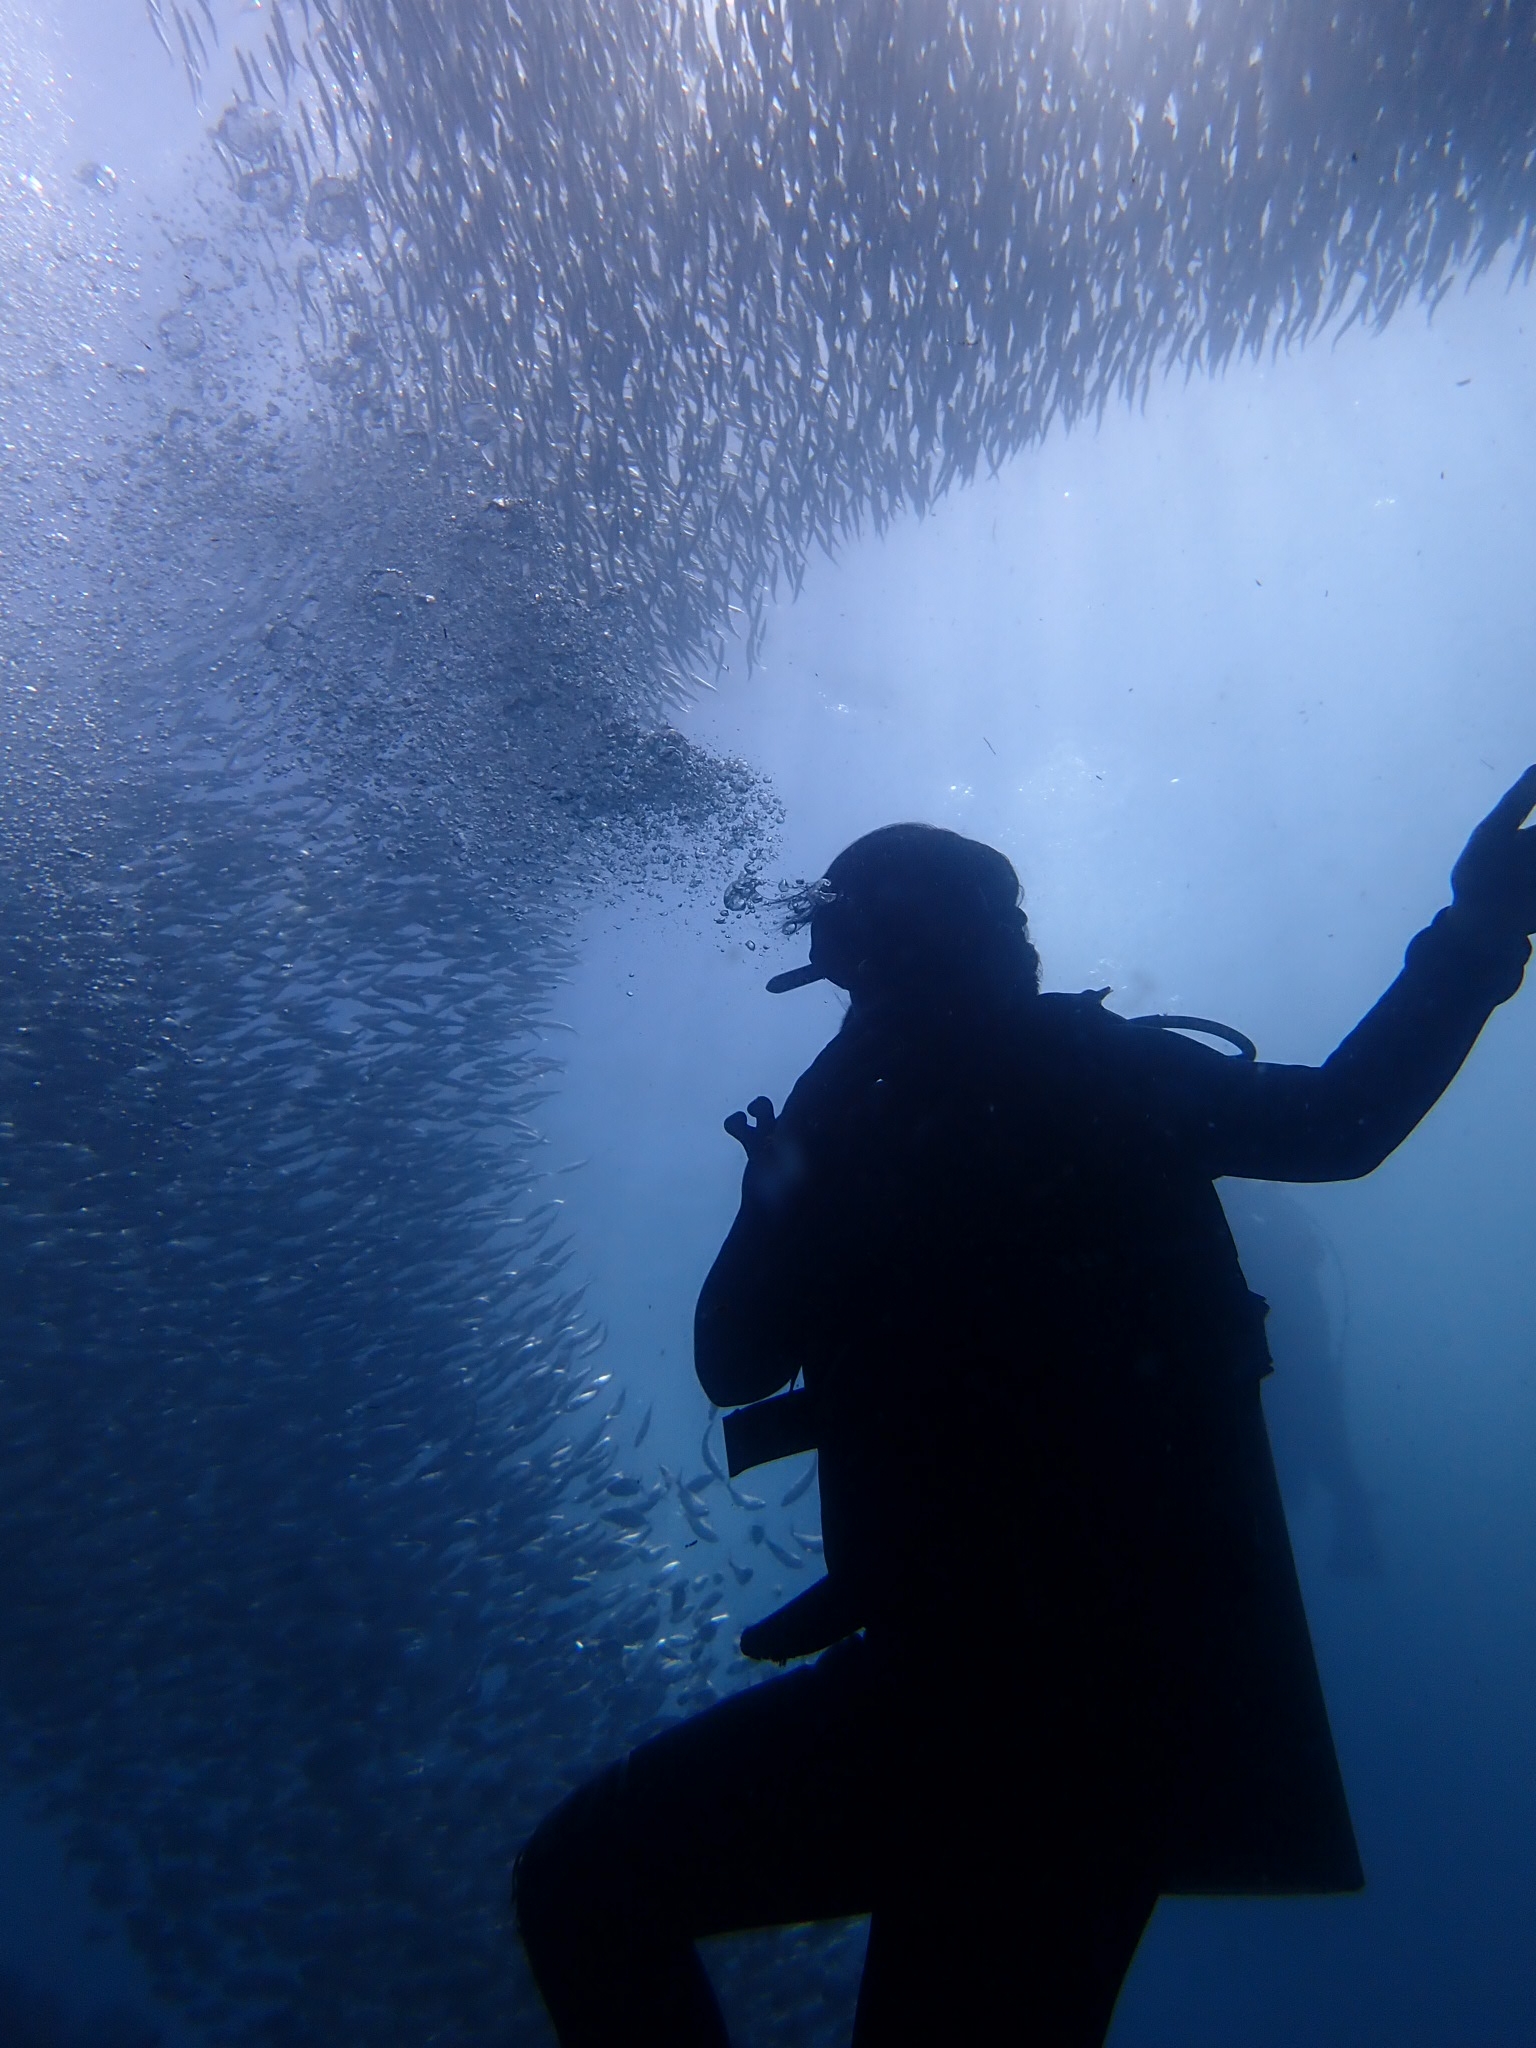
x,y
915,913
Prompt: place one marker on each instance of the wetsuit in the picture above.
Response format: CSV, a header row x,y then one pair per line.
x,y
988,1235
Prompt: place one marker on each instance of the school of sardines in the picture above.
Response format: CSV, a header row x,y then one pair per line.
x,y
722,282
514,356
337,1534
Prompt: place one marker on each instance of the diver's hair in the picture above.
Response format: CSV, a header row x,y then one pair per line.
x,y
907,903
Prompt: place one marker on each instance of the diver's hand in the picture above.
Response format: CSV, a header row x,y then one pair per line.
x,y
749,1136
1494,882
776,1164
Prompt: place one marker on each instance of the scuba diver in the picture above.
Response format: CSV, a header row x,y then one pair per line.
x,y
1061,1660
1285,1255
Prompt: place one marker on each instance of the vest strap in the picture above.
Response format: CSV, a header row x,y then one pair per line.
x,y
775,1428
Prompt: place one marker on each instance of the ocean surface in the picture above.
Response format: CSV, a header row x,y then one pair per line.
x,y
489,500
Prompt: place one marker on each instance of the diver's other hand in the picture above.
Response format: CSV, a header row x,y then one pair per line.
x,y
1494,881
749,1136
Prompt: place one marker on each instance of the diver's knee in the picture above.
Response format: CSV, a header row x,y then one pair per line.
x,y
562,1880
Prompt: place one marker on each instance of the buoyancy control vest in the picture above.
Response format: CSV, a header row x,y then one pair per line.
x,y
787,1424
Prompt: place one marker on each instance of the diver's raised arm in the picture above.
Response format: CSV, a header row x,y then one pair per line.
x,y
1342,1119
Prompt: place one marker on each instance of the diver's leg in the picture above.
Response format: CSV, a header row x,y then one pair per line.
x,y
1017,1879
608,1965
754,1814
1018,1971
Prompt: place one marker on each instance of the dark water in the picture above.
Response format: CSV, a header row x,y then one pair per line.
x,y
368,1009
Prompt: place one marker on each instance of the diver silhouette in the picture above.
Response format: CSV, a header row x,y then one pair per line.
x,y
1285,1255
1064,1661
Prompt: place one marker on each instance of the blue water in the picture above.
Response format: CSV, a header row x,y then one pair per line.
x,y
364,1074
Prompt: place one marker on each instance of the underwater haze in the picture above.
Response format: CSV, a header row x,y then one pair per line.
x,y
490,496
